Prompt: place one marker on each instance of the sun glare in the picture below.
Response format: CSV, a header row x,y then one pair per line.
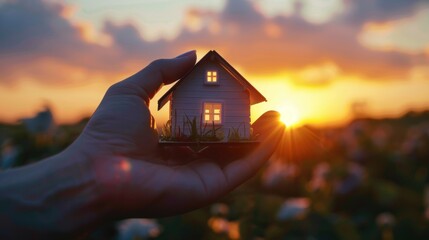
x,y
289,116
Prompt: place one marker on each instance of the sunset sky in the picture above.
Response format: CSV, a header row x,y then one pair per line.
x,y
324,60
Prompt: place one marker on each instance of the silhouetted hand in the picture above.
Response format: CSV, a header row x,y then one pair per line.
x,y
127,158
115,168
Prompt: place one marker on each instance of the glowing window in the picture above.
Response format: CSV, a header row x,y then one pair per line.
x,y
211,77
213,113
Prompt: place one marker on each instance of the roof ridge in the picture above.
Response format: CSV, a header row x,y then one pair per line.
x,y
243,79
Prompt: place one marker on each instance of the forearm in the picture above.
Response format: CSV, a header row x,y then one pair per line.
x,y
56,197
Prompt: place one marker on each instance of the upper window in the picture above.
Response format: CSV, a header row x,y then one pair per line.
x,y
211,77
213,113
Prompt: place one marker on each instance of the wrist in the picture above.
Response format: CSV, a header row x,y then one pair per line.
x,y
96,207
56,197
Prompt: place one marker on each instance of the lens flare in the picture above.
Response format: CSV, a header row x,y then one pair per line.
x,y
289,116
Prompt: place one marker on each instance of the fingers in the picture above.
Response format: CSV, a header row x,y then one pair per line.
x,y
271,130
163,71
149,80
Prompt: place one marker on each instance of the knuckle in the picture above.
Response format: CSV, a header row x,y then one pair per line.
x,y
114,88
122,87
157,63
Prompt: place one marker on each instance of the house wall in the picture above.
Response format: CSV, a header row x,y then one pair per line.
x,y
189,97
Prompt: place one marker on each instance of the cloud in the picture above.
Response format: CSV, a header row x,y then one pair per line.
x,y
39,42
130,46
317,75
34,36
262,45
29,25
396,35
317,11
362,11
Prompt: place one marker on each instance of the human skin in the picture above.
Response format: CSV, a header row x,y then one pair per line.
x,y
115,169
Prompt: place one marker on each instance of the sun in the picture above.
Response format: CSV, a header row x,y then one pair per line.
x,y
289,116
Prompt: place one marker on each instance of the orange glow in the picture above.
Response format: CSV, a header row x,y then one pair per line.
x,y
273,30
289,116
378,27
221,225
86,32
125,165
328,104
318,75
193,20
67,11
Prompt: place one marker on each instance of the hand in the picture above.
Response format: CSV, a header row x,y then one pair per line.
x,y
136,180
115,169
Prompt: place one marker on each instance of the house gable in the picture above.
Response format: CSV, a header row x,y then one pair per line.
x,y
189,98
195,84
212,61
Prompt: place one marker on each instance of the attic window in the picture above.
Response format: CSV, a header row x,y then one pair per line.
x,y
211,77
212,113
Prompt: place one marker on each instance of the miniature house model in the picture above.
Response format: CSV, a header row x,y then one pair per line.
x,y
212,94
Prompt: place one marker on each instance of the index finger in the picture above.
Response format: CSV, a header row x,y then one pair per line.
x,y
150,79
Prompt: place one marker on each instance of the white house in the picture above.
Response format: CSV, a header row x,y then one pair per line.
x,y
212,93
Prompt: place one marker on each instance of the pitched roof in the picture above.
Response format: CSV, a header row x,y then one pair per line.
x,y
255,95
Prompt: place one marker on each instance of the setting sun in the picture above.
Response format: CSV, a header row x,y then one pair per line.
x,y
289,116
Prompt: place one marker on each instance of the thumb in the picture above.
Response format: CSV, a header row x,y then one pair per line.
x,y
266,123
149,80
271,131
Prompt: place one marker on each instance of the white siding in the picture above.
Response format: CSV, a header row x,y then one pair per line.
x,y
189,97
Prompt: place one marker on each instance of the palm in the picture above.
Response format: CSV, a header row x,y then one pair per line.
x,y
122,124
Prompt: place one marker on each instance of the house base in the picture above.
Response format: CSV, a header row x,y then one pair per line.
x,y
222,151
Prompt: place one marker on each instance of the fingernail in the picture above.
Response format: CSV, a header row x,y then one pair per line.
x,y
186,54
